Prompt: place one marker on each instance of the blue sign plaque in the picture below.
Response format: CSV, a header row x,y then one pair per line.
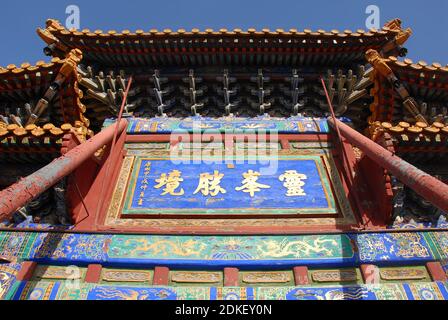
x,y
300,185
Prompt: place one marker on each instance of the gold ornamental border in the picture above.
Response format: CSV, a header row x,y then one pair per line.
x,y
113,218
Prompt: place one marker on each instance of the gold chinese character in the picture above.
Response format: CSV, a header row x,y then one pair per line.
x,y
171,183
210,184
293,182
250,184
140,202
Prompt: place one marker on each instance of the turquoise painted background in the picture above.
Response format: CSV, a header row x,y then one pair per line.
x,y
336,250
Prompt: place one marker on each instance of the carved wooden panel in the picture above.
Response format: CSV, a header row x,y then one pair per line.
x,y
266,277
402,274
60,273
126,276
196,277
335,276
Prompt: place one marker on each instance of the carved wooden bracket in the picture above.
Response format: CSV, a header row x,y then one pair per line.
x,y
380,65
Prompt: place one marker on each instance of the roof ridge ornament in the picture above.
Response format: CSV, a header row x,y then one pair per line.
x,y
402,36
54,45
394,24
54,24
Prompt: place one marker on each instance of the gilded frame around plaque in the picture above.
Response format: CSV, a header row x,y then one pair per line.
x,y
114,219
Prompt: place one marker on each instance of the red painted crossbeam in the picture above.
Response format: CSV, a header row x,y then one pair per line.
x,y
21,193
430,188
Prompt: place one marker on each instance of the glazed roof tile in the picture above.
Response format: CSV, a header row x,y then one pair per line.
x,y
26,68
33,130
32,144
417,128
415,140
408,64
37,86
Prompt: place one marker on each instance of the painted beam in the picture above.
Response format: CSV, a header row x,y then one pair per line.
x,y
218,252
293,125
9,274
390,291
231,277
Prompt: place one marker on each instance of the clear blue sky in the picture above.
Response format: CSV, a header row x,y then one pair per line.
x,y
20,19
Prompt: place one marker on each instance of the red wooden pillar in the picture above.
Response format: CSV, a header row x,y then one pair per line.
x,y
436,271
231,277
370,274
301,276
26,271
161,276
93,274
